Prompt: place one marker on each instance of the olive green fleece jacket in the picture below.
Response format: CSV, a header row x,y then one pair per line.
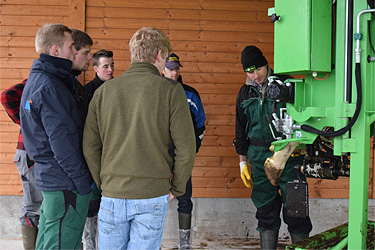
x,y
129,127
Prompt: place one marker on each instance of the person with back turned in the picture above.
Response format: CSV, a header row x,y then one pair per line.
x,y
131,123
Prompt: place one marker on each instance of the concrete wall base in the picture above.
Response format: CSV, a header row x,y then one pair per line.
x,y
213,218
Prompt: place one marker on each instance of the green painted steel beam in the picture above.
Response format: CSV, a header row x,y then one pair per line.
x,y
321,97
359,167
334,239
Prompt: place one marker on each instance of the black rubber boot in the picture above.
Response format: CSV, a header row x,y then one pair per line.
x,y
29,235
296,238
184,222
268,240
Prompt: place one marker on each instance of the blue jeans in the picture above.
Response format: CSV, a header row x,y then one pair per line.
x,y
131,223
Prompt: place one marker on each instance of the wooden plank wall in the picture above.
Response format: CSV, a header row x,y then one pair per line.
x,y
207,35
20,20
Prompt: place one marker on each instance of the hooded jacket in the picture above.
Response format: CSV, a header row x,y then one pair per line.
x,y
52,127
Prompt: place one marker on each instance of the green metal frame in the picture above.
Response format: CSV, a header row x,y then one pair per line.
x,y
333,239
321,103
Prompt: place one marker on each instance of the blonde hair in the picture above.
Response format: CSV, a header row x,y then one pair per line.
x,y
146,43
50,34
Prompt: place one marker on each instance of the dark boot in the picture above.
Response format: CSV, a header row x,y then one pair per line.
x,y
296,238
184,221
29,235
268,240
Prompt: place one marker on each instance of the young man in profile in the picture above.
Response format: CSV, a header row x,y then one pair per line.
x,y
52,131
81,63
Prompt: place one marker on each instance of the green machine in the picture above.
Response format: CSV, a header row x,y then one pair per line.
x,y
329,46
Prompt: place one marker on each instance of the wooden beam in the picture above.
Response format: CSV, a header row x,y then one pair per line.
x,y
78,21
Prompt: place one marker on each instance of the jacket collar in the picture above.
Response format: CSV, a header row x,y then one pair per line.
x,y
96,83
143,67
57,61
76,73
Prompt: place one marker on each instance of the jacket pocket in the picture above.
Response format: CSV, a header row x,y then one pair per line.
x,y
106,216
251,110
21,164
54,205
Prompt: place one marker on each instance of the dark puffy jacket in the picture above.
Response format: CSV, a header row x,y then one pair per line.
x,y
52,127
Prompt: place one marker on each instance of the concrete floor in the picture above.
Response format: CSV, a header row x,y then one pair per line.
x,y
167,244
233,244
216,224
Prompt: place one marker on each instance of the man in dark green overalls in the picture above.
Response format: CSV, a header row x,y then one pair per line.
x,y
253,139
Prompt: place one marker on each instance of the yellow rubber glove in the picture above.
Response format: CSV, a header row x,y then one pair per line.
x,y
245,176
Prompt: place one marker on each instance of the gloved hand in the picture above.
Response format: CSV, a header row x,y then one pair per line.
x,y
245,176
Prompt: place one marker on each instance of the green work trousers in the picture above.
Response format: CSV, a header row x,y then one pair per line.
x,y
263,191
266,197
62,219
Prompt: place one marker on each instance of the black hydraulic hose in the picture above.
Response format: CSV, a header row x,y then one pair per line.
x,y
358,106
349,51
371,3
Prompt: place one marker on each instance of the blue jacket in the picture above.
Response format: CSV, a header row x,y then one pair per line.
x,y
196,111
52,128
197,115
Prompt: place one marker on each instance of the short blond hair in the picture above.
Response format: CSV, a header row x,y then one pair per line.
x,y
146,43
48,35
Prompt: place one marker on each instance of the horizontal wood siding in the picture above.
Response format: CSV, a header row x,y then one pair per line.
x,y
207,35
20,20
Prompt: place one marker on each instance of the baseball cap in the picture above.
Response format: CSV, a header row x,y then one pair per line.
x,y
172,61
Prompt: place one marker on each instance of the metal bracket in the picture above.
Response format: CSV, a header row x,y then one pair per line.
x,y
349,145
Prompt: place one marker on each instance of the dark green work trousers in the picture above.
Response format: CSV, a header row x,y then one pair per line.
x,y
62,218
266,197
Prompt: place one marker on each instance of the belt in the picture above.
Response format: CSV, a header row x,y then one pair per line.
x,y
260,143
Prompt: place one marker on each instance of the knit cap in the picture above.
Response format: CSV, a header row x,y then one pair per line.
x,y
252,58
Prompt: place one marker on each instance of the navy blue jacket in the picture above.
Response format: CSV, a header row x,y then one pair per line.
x,y
52,127
196,111
197,115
